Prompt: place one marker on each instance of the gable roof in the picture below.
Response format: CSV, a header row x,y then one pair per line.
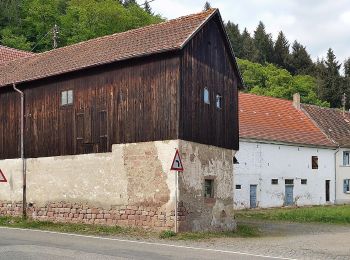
x,y
8,54
277,120
333,122
158,38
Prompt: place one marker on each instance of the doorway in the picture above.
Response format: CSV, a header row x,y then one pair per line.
x,y
253,203
289,187
327,190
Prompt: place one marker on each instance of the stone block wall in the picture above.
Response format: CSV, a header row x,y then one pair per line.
x,y
132,186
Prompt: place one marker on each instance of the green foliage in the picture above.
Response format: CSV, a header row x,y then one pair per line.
x,y
264,44
167,234
30,22
269,80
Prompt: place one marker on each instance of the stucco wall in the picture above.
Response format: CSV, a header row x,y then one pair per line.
x,y
343,172
132,185
260,162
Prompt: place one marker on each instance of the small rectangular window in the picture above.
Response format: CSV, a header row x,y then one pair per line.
x,y
303,181
218,101
289,182
274,181
66,97
209,188
346,186
206,96
346,158
238,187
314,162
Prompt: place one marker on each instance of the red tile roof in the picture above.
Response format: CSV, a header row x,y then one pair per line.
x,y
158,38
274,119
332,121
9,54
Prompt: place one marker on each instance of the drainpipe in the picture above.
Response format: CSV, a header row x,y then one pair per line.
x,y
24,175
335,177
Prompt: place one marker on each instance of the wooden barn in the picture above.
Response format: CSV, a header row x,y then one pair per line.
x,y
102,120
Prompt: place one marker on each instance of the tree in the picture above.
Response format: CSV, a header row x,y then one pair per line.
x,y
281,51
147,7
264,44
347,68
332,88
235,38
248,50
300,60
207,6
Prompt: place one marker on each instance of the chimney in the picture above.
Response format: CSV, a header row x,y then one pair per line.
x,y
296,101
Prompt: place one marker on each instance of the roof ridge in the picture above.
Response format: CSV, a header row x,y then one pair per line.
x,y
212,10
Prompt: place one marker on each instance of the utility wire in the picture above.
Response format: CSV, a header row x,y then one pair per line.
x,y
40,41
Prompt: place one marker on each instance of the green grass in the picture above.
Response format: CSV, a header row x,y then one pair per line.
x,y
317,214
242,231
99,230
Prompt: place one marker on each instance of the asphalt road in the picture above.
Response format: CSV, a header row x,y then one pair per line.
x,y
31,244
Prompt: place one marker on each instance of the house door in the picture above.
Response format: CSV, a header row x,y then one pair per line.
x,y
327,190
253,196
289,200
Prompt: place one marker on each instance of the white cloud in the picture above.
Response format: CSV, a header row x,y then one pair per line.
x,y
345,18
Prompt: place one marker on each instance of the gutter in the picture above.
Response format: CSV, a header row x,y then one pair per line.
x,y
24,171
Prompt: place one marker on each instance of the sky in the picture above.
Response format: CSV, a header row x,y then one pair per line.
x,y
317,24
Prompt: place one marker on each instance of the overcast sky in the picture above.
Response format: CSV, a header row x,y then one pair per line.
x,y
318,24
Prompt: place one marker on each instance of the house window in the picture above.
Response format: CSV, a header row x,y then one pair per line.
x,y
346,158
314,162
66,97
238,187
303,181
218,101
274,181
346,186
206,96
209,188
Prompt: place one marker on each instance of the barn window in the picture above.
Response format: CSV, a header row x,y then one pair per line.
x,y
346,186
346,158
218,101
274,181
206,97
314,160
66,97
209,188
238,187
303,181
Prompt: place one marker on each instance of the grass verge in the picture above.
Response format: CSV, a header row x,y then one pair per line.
x,y
99,230
318,214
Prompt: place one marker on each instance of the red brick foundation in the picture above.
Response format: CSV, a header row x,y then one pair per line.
x,y
134,216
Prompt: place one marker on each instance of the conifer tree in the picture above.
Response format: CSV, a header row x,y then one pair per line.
x,y
347,68
147,7
264,44
249,50
207,6
281,51
300,62
235,38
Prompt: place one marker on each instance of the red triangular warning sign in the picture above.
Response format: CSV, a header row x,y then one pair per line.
x,y
2,177
177,164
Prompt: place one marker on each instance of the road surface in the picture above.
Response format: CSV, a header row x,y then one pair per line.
x,y
31,244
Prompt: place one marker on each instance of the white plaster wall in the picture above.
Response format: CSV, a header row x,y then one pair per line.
x,y
97,179
260,162
343,172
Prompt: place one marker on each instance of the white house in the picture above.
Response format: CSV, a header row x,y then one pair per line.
x,y
284,158
336,124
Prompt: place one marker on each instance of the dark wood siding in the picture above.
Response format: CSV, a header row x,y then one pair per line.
x,y
206,63
126,102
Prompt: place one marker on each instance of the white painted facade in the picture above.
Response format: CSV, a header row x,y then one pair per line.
x,y
342,173
259,163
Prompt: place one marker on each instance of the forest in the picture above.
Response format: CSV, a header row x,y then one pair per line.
x,y
269,67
